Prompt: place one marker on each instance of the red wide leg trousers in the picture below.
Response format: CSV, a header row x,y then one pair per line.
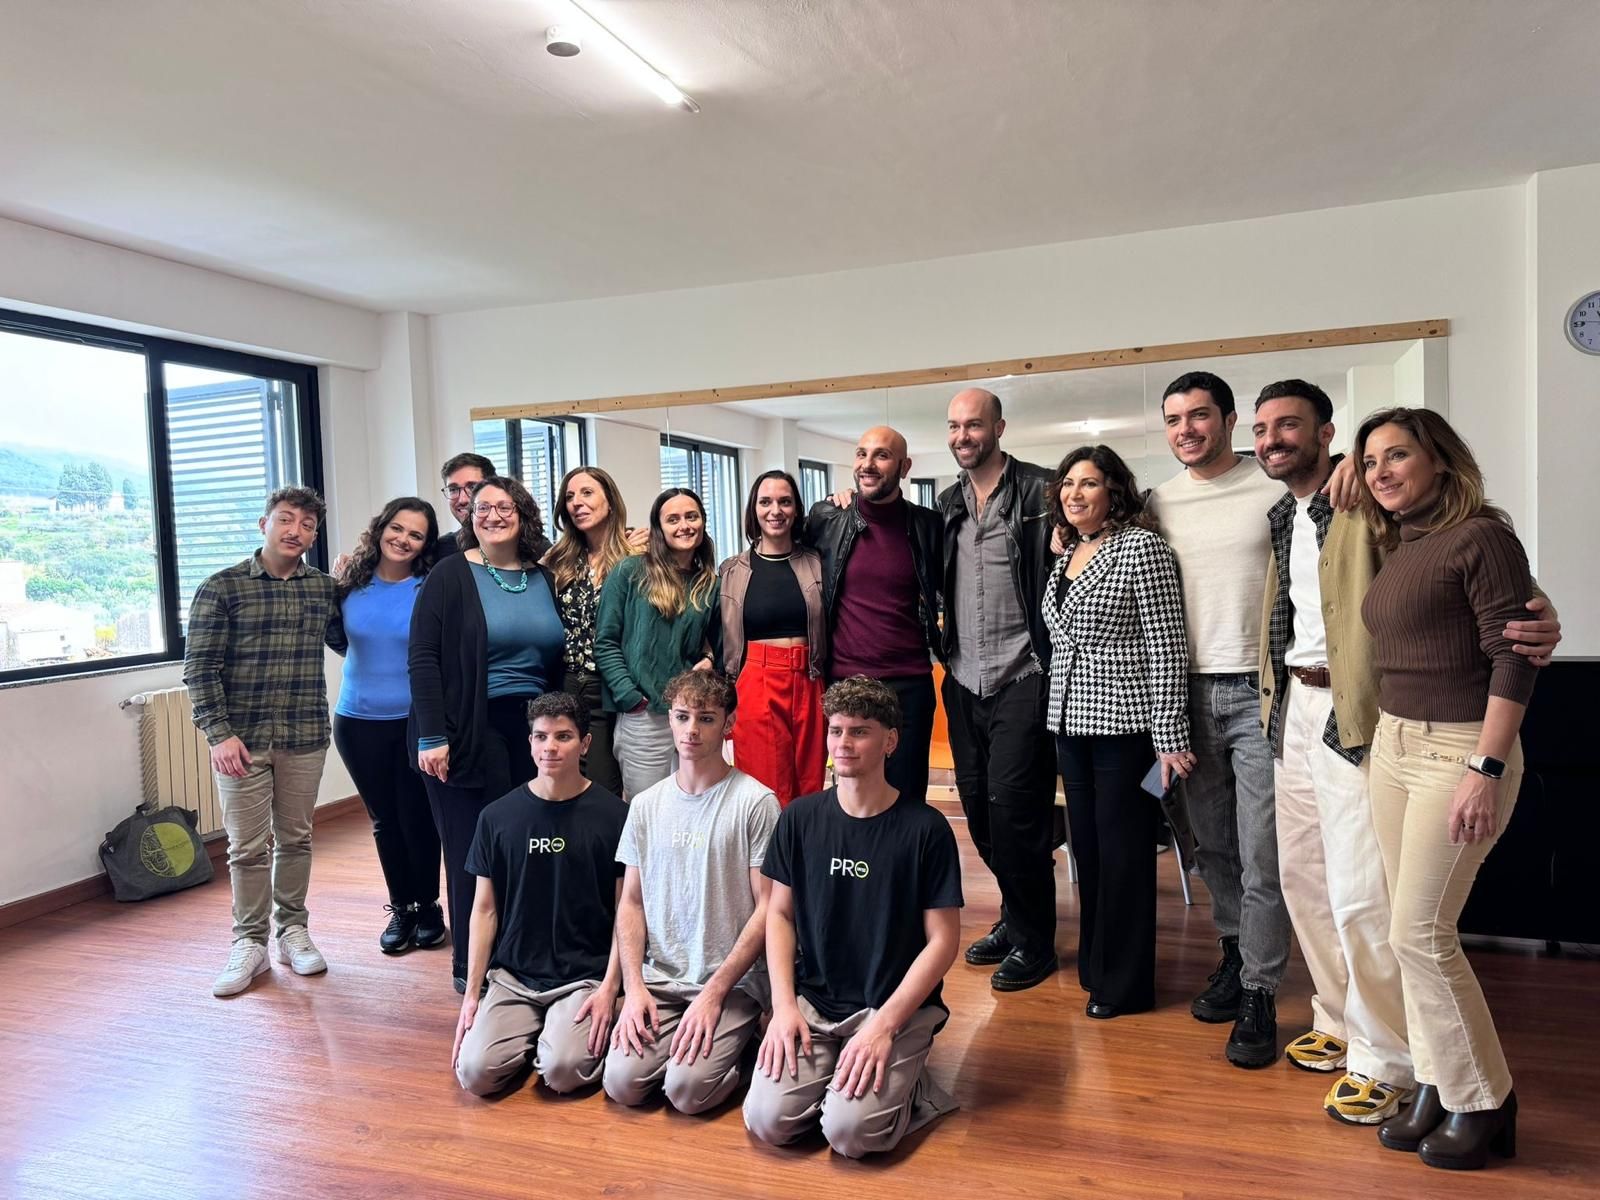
x,y
778,730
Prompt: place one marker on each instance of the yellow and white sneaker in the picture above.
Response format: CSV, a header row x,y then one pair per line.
x,y
1316,1052
1358,1100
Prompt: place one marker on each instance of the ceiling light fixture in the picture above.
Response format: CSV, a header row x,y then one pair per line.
x,y
643,73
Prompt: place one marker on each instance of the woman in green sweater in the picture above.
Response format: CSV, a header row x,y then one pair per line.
x,y
658,614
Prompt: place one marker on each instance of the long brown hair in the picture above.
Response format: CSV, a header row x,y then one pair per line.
x,y
662,581
1461,493
569,557
1127,501
363,563
531,542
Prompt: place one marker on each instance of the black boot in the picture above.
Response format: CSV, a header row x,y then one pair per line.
x,y
1220,1001
430,925
1254,1041
992,947
1406,1129
1019,971
397,935
1463,1139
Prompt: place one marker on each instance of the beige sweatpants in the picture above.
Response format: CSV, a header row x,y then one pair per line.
x,y
691,1087
513,1022
1416,766
780,1110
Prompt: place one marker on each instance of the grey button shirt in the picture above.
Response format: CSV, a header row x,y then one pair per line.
x,y
992,644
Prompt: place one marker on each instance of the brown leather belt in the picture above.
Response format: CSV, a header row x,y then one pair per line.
x,y
1312,676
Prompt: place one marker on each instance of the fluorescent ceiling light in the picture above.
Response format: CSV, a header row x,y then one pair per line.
x,y
643,73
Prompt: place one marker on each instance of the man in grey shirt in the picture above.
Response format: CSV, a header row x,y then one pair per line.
x,y
996,563
692,921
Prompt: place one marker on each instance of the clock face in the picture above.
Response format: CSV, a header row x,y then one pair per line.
x,y
1583,323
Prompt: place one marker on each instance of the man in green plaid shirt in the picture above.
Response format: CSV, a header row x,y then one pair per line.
x,y
253,664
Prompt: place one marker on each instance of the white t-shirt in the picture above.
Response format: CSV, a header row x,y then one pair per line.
x,y
1308,640
1218,530
695,854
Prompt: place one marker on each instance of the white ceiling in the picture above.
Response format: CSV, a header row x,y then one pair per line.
x,y
431,155
1108,404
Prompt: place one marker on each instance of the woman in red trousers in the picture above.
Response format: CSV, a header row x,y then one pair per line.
x,y
774,643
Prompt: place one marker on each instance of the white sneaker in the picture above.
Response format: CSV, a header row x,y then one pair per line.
x,y
298,952
247,960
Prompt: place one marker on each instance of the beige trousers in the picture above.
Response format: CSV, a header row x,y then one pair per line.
x,y
275,800
691,1087
780,1110
1416,766
1337,892
514,1022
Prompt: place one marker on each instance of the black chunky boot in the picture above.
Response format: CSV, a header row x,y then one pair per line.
x,y
1220,1001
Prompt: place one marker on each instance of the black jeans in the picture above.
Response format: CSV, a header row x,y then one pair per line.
x,y
600,764
1114,823
1007,782
907,768
383,766
507,763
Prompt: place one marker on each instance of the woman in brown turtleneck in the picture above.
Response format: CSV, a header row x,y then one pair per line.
x,y
1446,761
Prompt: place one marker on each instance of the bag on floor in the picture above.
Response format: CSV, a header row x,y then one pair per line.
x,y
154,852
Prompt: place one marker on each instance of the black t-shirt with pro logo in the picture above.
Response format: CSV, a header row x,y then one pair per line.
x,y
554,870
860,887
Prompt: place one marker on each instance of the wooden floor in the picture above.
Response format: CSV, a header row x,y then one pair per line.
x,y
124,1078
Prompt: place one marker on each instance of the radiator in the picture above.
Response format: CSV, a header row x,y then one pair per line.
x,y
175,760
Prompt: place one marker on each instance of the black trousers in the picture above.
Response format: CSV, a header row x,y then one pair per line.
x,y
1114,823
507,762
1007,782
600,764
907,768
380,760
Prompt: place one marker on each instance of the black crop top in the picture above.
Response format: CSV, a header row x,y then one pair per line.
x,y
773,605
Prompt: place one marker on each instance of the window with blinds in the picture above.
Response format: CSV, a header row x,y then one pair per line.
x,y
712,471
816,483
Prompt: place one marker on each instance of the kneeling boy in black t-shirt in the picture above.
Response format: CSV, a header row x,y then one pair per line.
x,y
543,918
867,886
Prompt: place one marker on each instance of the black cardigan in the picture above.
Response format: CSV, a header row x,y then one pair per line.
x,y
449,664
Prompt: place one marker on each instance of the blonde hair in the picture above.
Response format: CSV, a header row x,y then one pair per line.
x,y
569,557
1461,494
662,580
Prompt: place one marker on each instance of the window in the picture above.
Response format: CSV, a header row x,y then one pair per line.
x,y
815,483
713,472
130,469
922,492
537,451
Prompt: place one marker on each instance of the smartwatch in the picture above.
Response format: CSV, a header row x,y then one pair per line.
x,y
1484,765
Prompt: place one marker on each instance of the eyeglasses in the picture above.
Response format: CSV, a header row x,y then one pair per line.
x,y
506,511
456,489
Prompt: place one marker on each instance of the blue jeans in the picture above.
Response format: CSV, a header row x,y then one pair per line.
x,y
1231,805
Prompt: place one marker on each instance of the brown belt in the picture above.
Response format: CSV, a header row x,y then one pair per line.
x,y
1316,677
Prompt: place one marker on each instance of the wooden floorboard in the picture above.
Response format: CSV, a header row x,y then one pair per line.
x,y
124,1078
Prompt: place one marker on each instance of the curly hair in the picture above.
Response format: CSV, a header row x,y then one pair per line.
x,y
1461,493
304,498
363,563
867,699
554,705
1127,501
701,689
531,542
569,557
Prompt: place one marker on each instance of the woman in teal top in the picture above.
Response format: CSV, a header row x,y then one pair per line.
x,y
658,615
377,590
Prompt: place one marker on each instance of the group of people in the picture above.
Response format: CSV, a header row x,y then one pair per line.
x,y
1318,665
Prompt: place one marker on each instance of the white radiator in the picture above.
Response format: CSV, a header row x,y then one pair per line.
x,y
175,759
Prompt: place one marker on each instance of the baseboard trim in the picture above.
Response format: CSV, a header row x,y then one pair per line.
x,y
18,911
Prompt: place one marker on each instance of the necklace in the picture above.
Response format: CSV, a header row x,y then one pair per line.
x,y
775,557
1093,537
501,583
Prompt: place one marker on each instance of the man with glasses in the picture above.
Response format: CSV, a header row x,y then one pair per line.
x,y
461,474
253,665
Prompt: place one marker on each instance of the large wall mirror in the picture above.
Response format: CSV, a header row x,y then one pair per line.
x,y
717,441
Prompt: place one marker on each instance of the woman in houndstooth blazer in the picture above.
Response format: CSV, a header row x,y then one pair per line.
x,y
1118,698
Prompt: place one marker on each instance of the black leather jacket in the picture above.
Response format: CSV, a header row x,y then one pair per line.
x,y
1020,492
833,530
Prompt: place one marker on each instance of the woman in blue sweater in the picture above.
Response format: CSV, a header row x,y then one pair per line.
x,y
377,589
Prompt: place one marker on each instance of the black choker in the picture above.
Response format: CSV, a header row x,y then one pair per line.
x,y
1093,537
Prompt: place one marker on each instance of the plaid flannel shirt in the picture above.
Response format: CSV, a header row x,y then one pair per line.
x,y
1280,626
253,658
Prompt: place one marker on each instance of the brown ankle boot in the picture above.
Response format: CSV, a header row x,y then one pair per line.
x,y
1405,1130
1463,1140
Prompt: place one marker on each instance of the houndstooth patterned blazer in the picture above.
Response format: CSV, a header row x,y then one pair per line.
x,y
1120,658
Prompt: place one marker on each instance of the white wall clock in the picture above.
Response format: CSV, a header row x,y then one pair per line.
x,y
1583,323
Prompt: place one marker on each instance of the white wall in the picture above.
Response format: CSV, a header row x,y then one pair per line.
x,y
72,760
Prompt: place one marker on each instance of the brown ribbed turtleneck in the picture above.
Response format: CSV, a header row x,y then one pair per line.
x,y
1438,611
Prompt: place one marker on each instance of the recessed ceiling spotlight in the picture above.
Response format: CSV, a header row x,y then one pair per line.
x,y
562,41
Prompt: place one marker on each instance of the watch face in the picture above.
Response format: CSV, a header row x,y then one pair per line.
x,y
1583,323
